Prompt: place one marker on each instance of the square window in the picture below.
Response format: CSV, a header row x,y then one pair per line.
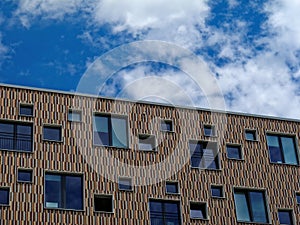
x,y
147,142
125,184
172,187
250,135
4,196
103,203
26,110
209,130
24,175
217,191
298,198
234,151
198,210
285,217
166,125
74,116
52,133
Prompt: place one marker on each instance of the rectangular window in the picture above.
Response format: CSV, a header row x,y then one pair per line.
x,y
285,216
217,191
166,125
172,187
209,130
4,196
51,133
250,206
234,151
125,184
298,198
204,155
110,131
282,149
24,175
103,203
250,135
74,115
16,136
147,142
163,212
198,210
26,110
63,191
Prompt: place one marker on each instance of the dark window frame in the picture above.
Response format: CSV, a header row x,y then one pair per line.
x,y
104,196
237,147
26,105
220,187
125,187
25,170
53,126
149,139
298,198
253,132
212,129
168,122
2,188
74,111
168,182
291,216
202,206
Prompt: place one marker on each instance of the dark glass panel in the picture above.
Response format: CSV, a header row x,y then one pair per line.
x,y
103,203
26,110
258,207
119,132
74,195
172,187
285,217
53,194
241,206
25,175
234,152
4,196
52,133
216,191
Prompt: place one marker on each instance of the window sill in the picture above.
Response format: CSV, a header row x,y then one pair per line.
x,y
168,131
4,205
23,115
204,219
126,190
111,147
171,193
62,209
54,141
24,182
284,164
18,151
218,198
249,140
248,222
147,150
104,212
206,169
235,159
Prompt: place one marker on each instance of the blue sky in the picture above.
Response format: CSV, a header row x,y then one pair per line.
x,y
251,47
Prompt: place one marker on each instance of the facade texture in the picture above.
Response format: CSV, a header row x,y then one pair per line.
x,y
250,176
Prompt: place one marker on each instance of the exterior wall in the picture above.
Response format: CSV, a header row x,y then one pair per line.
x,y
280,182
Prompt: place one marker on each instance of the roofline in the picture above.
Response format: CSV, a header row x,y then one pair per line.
x,y
149,102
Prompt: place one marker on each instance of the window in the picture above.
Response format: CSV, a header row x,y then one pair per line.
x,y
217,191
24,175
26,110
125,184
298,198
147,142
4,196
198,210
282,149
163,212
166,125
63,191
110,131
250,135
250,206
204,155
234,151
172,187
285,216
16,136
209,130
103,203
74,116
52,133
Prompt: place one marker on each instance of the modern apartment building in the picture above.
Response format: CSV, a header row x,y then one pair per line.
x,y
79,159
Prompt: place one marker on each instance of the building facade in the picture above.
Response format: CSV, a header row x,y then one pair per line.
x,y
78,159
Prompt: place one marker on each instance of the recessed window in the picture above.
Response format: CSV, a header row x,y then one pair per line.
x,y
282,149
26,110
103,203
164,212
250,206
63,191
234,151
110,130
166,125
125,183
217,191
74,116
24,175
250,135
198,210
209,130
16,136
52,133
285,216
147,142
172,187
204,155
298,198
4,196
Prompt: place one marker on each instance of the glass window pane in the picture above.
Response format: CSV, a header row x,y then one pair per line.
x,y
53,193
74,116
285,217
103,203
250,135
216,191
209,160
74,192
241,206
209,130
4,196
289,150
166,125
101,124
171,207
25,175
125,184
274,148
172,187
234,152
298,198
119,132
52,133
26,110
258,207
198,210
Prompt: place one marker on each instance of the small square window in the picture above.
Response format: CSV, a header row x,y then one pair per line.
x,y
24,175
52,133
250,135
125,184
103,203
198,210
298,198
172,187
146,142
74,116
217,191
285,217
166,125
234,151
4,196
26,110
209,130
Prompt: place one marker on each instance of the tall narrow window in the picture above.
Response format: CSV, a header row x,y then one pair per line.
x,y
282,149
4,196
285,216
204,155
110,131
